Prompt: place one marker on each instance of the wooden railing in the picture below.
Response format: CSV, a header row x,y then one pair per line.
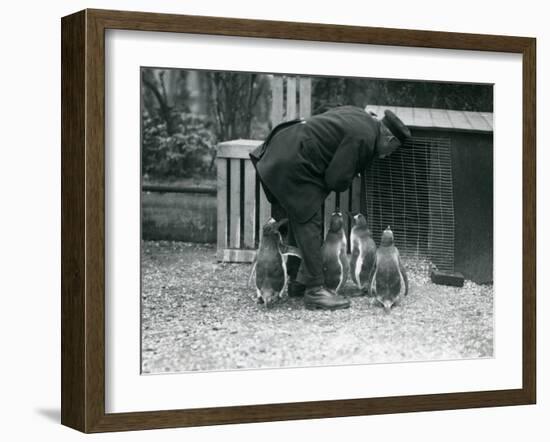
x,y
242,204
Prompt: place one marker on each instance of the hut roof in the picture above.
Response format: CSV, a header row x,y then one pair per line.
x,y
439,118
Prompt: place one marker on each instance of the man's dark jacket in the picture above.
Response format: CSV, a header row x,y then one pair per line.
x,y
302,161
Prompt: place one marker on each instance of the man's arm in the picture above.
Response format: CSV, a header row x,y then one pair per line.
x,y
342,169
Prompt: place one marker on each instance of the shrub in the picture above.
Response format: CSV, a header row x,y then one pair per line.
x,y
187,152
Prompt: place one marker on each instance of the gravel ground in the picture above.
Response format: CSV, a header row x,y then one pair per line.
x,y
198,314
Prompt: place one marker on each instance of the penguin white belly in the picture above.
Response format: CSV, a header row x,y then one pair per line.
x,y
358,266
341,257
373,281
356,260
398,270
402,287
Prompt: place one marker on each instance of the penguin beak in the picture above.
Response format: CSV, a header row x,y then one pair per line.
x,y
268,301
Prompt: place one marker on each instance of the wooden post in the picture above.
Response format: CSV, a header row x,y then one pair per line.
x,y
305,97
344,207
276,100
363,192
249,205
235,201
221,164
290,98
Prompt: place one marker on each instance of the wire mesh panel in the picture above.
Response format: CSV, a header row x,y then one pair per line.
x,y
411,191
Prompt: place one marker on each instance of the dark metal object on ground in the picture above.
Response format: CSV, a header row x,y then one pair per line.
x,y
443,278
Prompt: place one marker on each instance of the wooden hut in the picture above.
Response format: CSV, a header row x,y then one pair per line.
x,y
448,201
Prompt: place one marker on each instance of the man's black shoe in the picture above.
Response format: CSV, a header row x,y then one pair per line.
x,y
323,299
295,289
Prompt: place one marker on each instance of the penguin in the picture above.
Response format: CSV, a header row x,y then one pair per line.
x,y
334,254
389,281
363,253
270,263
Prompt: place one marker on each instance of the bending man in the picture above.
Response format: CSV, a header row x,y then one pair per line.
x,y
301,162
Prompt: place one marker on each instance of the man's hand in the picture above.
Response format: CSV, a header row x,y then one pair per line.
x,y
343,166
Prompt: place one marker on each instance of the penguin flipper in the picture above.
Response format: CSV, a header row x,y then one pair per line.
x,y
259,298
344,271
353,266
356,272
345,266
365,271
404,276
291,250
252,270
372,279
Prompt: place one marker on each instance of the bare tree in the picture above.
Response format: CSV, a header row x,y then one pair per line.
x,y
163,86
234,98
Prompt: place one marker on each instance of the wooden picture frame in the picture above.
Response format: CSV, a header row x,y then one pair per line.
x,y
83,220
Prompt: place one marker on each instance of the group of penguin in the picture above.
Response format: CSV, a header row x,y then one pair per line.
x,y
378,272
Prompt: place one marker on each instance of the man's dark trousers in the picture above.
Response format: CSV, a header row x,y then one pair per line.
x,y
308,238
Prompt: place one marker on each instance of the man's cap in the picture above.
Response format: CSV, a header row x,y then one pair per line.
x,y
395,125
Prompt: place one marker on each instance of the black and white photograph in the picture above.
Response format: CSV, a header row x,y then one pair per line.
x,y
265,222
294,221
